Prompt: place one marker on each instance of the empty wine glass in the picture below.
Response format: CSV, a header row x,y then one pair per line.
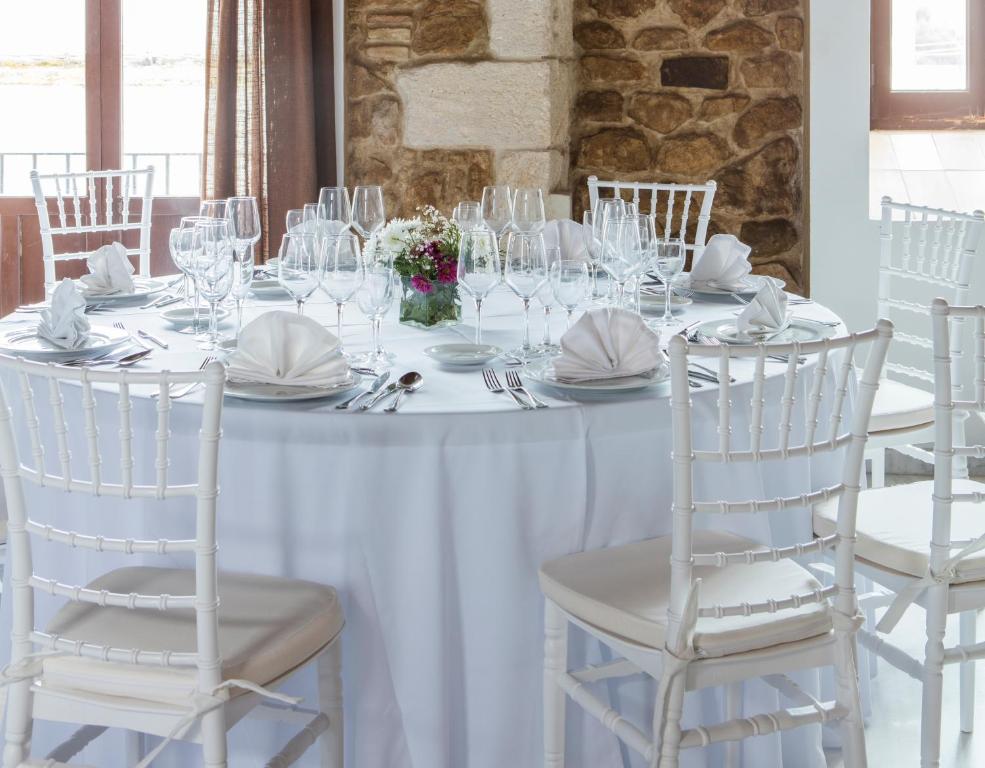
x,y
368,214
180,242
375,297
185,245
343,273
479,269
467,215
299,268
668,261
244,230
571,285
212,209
526,272
621,256
497,208
335,209
648,244
528,210
214,270
295,220
545,296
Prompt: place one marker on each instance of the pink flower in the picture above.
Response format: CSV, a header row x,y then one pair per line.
x,y
421,284
448,272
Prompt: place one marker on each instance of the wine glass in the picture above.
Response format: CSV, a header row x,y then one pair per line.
x,y
375,297
648,244
528,210
244,230
545,296
295,220
479,269
526,272
185,247
467,215
668,261
299,268
180,244
335,209
570,284
343,272
368,214
214,270
212,209
497,208
621,256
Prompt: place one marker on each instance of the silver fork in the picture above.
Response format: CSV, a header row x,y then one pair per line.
x,y
117,324
493,385
188,388
514,382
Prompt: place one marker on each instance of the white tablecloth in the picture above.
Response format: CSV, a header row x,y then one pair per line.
x,y
432,524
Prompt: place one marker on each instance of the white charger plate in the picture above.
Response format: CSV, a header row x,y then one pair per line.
x,y
284,393
463,354
798,329
543,373
182,317
143,287
748,286
25,342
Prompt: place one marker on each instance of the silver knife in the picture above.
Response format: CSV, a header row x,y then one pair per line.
x,y
385,393
378,382
150,337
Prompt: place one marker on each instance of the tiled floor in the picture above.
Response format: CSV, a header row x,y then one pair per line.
x,y
940,169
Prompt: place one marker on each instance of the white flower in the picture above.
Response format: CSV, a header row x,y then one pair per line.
x,y
395,235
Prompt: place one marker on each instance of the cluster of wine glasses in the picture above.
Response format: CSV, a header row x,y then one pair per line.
x,y
335,214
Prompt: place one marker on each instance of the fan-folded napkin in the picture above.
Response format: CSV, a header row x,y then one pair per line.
x,y
767,311
725,261
606,344
109,271
567,235
283,348
64,323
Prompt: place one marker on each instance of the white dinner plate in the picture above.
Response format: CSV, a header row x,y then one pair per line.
x,y
25,342
269,288
143,287
748,286
799,329
463,354
182,317
543,373
285,393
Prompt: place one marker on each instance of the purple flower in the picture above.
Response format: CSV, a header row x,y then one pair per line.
x,y
421,284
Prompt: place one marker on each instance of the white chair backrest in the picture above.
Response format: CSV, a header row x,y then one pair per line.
x,y
80,210
673,203
68,478
836,353
924,253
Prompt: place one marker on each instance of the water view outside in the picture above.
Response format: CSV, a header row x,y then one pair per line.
x,y
42,90
930,45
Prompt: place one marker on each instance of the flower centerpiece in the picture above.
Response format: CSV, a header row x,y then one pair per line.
x,y
424,251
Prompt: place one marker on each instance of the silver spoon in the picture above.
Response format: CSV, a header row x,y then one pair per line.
x,y
409,382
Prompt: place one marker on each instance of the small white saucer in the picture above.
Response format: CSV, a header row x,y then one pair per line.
x,y
182,317
463,354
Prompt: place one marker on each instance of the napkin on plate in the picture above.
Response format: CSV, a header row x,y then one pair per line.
x,y
110,271
282,348
607,344
724,261
64,323
766,312
568,236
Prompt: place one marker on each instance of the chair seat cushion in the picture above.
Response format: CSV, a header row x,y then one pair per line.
x,y
625,590
894,527
268,626
900,406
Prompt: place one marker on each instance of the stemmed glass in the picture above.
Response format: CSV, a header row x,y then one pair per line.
x,y
497,208
186,245
335,209
343,273
180,242
295,220
299,268
528,210
375,297
668,261
621,256
570,283
244,230
546,298
368,214
526,272
479,269
212,209
592,246
213,270
467,215
648,250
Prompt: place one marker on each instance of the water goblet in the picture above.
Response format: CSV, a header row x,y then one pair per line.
x,y
243,216
545,296
343,272
368,213
185,245
479,269
526,272
621,255
213,262
299,267
571,285
375,297
668,261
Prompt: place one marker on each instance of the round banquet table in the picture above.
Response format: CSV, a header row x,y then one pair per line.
x,y
432,524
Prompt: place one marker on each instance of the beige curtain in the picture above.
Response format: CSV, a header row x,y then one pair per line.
x,y
270,114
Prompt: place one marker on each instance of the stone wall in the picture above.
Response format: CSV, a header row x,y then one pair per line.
x,y
691,90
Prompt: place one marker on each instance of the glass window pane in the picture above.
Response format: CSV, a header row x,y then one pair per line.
x,y
930,45
42,90
164,91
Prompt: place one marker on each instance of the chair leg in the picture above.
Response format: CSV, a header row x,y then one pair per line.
x,y
330,703
878,459
667,723
852,725
17,734
969,620
933,678
214,739
555,663
134,747
733,711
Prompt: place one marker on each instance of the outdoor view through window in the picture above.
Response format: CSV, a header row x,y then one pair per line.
x,y
42,89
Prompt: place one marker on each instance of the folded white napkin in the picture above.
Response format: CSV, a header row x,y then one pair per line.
x,y
767,311
606,344
568,236
282,348
110,271
64,323
724,261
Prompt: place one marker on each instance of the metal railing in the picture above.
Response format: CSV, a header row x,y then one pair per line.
x,y
130,161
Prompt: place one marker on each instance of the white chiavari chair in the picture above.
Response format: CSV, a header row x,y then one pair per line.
x,y
147,649
925,252
705,608
924,542
679,201
91,202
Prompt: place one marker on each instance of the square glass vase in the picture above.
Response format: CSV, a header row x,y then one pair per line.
x,y
439,308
